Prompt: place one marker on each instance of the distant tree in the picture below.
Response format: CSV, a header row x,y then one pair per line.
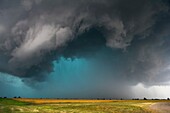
x,y
19,97
15,97
144,98
5,97
167,98
135,98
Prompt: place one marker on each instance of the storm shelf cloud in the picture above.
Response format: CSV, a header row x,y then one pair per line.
x,y
111,44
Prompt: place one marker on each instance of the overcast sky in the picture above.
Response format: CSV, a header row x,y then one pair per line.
x,y
85,48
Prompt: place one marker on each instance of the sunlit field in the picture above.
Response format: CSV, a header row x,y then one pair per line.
x,y
51,101
81,106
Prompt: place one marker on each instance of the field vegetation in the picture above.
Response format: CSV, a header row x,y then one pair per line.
x,y
77,106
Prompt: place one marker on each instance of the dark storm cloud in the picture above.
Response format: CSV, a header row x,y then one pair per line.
x,y
131,35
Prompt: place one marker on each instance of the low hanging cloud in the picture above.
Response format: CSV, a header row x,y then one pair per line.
x,y
132,35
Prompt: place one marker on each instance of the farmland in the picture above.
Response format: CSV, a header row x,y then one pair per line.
x,y
82,106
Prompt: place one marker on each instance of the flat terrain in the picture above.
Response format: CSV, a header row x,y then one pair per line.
x,y
83,106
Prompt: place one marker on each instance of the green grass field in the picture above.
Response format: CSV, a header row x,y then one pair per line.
x,y
76,106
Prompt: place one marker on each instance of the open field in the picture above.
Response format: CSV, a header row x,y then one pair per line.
x,y
83,106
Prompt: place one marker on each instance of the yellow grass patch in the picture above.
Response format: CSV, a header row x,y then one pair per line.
x,y
52,101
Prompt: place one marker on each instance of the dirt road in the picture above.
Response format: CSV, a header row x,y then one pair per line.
x,y
162,107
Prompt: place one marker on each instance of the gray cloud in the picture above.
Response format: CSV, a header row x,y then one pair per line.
x,y
133,35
